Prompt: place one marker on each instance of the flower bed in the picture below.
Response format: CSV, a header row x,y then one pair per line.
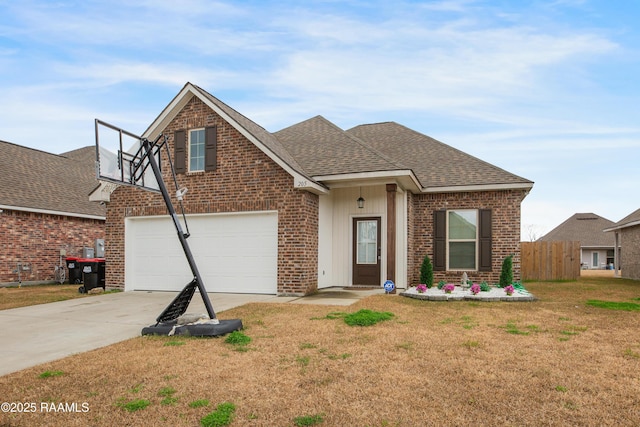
x,y
459,293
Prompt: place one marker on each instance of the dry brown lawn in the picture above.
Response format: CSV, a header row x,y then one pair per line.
x,y
13,297
556,361
597,273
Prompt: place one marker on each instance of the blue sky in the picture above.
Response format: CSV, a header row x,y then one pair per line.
x,y
548,90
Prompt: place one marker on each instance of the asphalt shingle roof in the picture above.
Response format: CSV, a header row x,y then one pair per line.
x,y
435,164
587,228
322,148
631,220
316,147
34,179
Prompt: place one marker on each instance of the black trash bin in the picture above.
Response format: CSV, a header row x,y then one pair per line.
x,y
102,269
93,274
75,270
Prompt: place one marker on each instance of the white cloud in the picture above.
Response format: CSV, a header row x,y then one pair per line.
x,y
509,85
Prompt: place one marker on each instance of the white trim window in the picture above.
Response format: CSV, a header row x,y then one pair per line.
x,y
462,239
196,150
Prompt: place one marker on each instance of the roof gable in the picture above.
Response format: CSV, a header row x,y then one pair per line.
x,y
438,166
38,181
255,133
588,228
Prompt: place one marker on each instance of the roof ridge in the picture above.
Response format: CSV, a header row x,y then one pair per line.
x,y
463,152
362,143
219,101
30,148
291,160
590,233
378,152
442,144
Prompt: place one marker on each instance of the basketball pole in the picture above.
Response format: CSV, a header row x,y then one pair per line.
x,y
148,147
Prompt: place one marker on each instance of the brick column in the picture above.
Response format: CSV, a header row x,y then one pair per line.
x,y
391,232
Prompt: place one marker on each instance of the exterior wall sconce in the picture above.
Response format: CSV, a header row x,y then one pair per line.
x,y
360,200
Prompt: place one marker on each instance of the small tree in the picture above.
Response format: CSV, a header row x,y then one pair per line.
x,y
426,272
506,275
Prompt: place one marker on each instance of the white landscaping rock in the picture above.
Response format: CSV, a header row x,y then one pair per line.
x,y
459,293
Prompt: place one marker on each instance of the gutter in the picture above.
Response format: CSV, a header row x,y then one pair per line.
x,y
480,187
619,227
51,212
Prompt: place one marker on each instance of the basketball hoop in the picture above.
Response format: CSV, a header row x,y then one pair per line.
x,y
139,166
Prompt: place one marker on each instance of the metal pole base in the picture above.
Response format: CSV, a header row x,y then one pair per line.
x,y
223,327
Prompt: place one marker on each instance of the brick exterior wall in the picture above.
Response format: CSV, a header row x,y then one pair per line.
x,y
505,207
246,179
36,239
630,252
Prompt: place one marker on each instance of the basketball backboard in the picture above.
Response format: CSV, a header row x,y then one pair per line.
x,y
121,158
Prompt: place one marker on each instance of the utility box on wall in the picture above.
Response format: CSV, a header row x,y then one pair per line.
x,y
99,248
88,253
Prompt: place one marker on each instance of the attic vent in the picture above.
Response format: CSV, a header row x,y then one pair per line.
x,y
586,217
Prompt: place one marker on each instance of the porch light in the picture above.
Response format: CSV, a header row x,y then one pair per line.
x,y
360,200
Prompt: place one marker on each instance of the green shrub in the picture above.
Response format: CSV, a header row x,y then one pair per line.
x,y
426,272
506,275
484,287
441,284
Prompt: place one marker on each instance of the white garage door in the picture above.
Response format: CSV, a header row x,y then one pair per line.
x,y
234,253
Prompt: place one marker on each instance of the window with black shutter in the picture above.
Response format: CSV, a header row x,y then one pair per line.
x,y
197,152
484,240
440,240
180,151
211,149
462,240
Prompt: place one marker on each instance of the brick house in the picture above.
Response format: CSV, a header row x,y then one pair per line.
x,y
627,238
44,208
310,206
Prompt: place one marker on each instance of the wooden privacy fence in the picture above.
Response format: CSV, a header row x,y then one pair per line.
x,y
556,260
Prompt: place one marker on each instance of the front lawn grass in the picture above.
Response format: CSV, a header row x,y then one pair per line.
x,y
615,305
555,361
14,297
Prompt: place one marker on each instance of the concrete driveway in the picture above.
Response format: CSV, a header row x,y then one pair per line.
x,y
42,333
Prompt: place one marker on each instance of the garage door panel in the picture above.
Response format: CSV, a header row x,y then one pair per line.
x,y
234,253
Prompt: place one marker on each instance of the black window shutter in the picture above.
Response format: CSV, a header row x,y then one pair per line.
x,y
439,240
485,240
180,151
210,149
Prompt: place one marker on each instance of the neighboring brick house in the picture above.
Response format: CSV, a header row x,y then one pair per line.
x,y
310,206
627,238
596,247
45,208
